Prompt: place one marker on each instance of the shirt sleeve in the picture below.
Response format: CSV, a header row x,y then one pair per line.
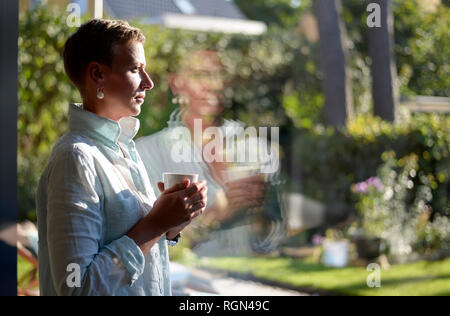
x,y
75,227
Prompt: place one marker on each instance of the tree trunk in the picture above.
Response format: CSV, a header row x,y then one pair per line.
x,y
383,69
336,80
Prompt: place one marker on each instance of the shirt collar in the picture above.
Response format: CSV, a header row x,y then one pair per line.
x,y
107,131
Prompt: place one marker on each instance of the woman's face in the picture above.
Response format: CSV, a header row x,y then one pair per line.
x,y
125,81
200,80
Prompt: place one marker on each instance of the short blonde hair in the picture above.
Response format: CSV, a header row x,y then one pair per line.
x,y
94,41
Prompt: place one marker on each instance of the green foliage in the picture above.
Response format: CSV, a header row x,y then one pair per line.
x,y
266,71
24,268
399,210
281,13
182,252
330,161
421,44
44,92
421,37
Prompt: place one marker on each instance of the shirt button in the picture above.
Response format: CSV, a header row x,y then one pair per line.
x,y
156,255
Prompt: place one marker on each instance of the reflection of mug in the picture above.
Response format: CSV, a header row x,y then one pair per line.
x,y
170,178
237,173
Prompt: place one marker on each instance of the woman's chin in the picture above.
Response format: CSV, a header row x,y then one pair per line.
x,y
135,108
136,111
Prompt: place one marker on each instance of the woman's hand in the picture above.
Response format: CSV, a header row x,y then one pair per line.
x,y
246,192
179,205
175,208
237,195
173,232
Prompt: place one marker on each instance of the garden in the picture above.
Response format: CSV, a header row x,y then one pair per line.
x,y
384,185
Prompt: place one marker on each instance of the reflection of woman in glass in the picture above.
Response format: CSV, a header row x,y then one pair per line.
x,y
198,85
101,232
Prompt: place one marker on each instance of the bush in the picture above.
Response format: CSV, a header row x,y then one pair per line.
x,y
420,36
331,160
396,207
44,92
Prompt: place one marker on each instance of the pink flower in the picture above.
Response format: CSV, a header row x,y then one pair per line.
x,y
317,240
363,187
375,182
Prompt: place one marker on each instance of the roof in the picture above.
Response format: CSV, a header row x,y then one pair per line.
x,y
219,8
154,8
208,24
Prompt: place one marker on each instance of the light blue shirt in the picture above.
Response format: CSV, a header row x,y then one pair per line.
x,y
94,189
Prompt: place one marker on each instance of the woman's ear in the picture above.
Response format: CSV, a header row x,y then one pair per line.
x,y
96,73
175,83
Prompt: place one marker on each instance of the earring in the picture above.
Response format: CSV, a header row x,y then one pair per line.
x,y
180,100
100,94
175,100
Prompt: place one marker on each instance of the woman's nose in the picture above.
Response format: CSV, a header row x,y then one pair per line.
x,y
147,83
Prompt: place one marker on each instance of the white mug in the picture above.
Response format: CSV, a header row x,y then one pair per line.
x,y
171,178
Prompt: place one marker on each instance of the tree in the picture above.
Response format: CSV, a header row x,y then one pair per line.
x,y
383,70
283,13
336,82
44,92
422,43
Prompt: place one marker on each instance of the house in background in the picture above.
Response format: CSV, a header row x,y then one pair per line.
x,y
197,15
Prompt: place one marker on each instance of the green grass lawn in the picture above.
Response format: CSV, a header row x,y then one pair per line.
x,y
419,278
23,267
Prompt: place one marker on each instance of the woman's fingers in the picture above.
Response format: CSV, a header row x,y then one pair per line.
x,y
193,188
161,187
194,199
200,205
177,187
202,194
197,213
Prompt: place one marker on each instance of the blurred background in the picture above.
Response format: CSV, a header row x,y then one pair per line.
x,y
364,142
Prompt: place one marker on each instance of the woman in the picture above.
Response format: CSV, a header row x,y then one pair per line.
x,y
101,230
